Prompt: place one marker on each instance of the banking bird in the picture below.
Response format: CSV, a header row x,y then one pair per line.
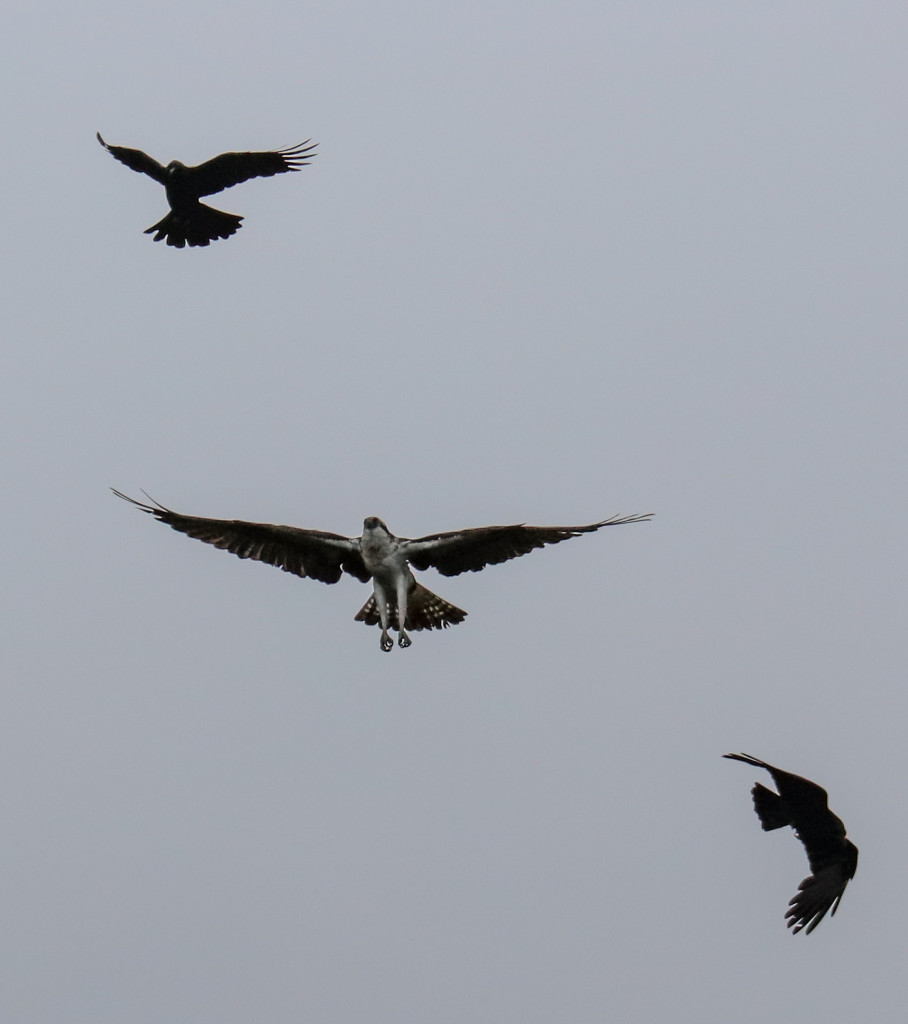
x,y
833,859
189,221
397,601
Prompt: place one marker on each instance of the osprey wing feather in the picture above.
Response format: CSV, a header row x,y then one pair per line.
x,y
472,550
305,553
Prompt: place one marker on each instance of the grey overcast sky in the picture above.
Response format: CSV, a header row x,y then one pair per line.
x,y
554,261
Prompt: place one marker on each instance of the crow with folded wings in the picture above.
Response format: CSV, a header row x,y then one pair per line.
x,y
189,221
397,601
803,805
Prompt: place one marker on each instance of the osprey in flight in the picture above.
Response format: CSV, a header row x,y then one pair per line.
x,y
397,601
190,221
833,858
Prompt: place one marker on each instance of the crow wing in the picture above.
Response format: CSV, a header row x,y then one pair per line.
x,y
305,553
472,550
833,858
232,168
822,890
136,160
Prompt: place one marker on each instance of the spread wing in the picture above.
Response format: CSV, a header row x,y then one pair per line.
x,y
822,890
320,556
472,550
136,160
232,168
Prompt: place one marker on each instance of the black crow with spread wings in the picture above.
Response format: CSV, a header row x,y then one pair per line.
x,y
833,859
189,221
397,601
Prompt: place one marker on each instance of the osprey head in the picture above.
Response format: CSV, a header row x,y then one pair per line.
x,y
373,523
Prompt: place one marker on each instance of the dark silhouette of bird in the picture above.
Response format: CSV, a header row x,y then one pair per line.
x,y
803,805
189,221
397,601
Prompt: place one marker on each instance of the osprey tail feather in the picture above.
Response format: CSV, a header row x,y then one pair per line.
x,y
425,610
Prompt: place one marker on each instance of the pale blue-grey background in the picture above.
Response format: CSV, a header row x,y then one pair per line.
x,y
554,261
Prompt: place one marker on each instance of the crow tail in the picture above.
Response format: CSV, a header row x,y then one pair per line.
x,y
199,226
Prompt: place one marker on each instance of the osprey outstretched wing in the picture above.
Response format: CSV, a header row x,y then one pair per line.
x,y
305,553
833,858
189,221
398,601
472,550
